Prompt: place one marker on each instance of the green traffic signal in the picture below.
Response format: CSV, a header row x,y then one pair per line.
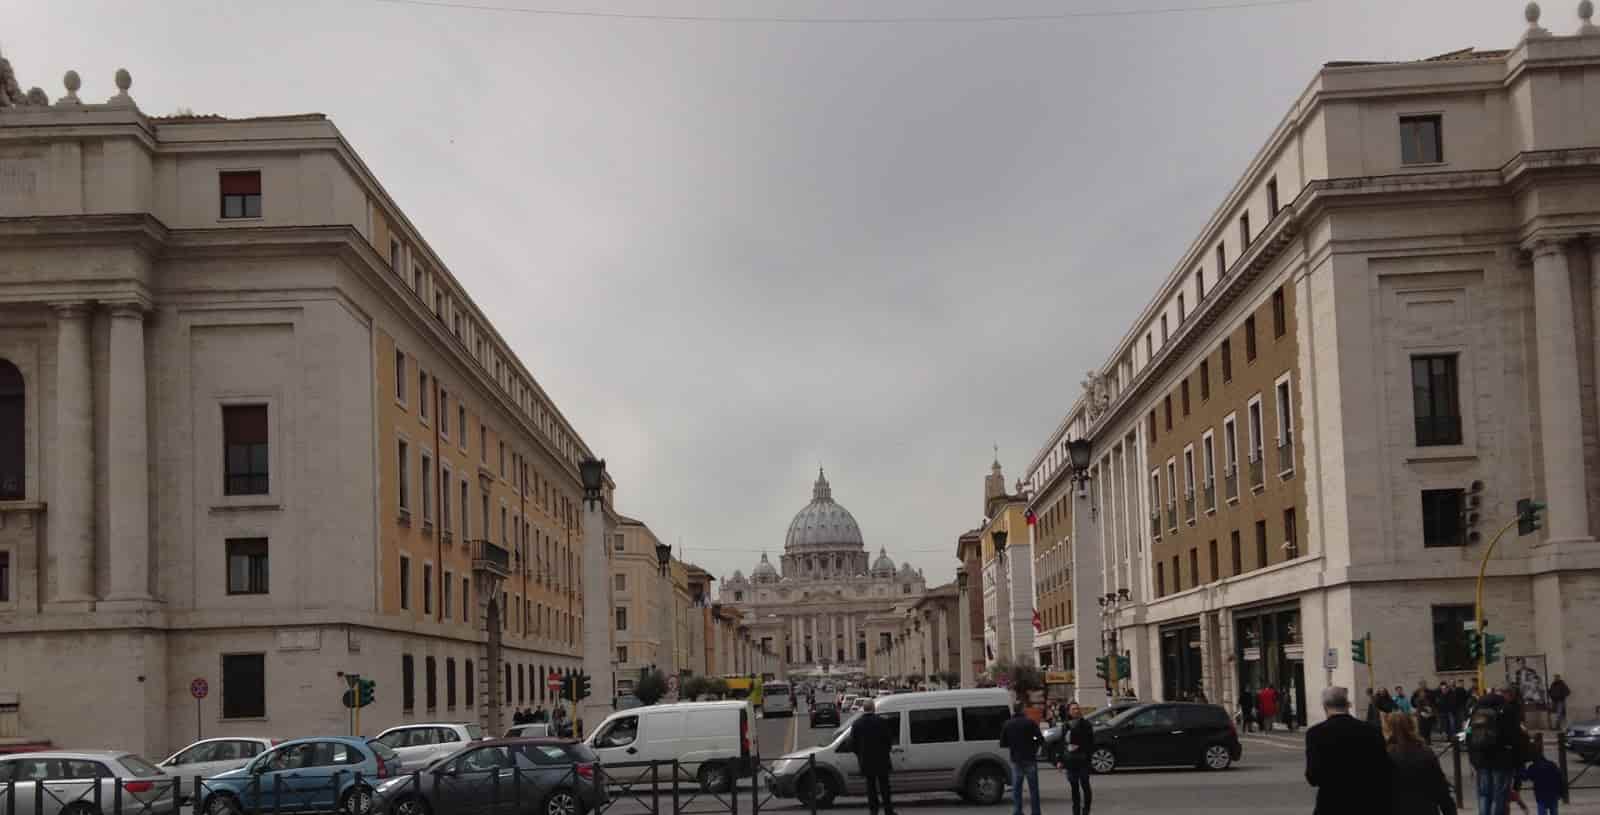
x,y
1491,646
1474,646
366,692
1124,668
1102,667
566,686
1358,651
1528,520
583,687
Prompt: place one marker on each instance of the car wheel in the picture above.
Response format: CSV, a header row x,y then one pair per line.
x,y
816,788
715,778
561,801
411,805
356,801
1216,757
986,785
1102,760
220,804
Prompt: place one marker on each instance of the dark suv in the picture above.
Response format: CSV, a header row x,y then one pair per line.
x,y
1167,734
824,713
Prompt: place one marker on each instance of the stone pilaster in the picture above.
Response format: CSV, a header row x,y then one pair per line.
x,y
128,482
1560,413
71,518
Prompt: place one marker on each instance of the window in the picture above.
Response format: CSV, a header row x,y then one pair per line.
x,y
408,691
621,582
427,489
405,476
1152,427
467,676
400,376
444,412
1182,313
1205,379
1442,512
466,518
1194,566
461,422
1450,638
1244,229
1222,260
1167,409
618,542
447,517
1163,330
1285,415
1235,554
522,683
981,723
5,577
1188,482
13,452
444,597
622,618
466,617
241,194
1149,347
244,441
1155,503
449,682
502,459
430,682
1161,582
1421,139
1255,434
1230,456
483,443
405,582
1250,338
394,254
1211,551
1291,535
934,726
1227,361
1435,398
1280,315
622,653
1261,544
1272,197
427,588
1177,575
1183,390
247,566
1208,461
422,396
244,686
1199,284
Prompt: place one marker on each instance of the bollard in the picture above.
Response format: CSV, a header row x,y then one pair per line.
x,y
676,776
811,778
1455,758
655,788
1561,758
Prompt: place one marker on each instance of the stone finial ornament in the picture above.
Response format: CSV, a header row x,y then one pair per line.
x,y
72,82
1531,13
124,82
1586,13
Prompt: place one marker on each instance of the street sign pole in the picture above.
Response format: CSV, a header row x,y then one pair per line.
x,y
198,689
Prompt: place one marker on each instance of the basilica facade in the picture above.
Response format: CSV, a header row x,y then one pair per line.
x,y
813,609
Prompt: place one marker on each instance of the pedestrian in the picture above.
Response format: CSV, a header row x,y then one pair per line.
x,y
1079,738
872,739
1021,738
1548,785
1402,702
1382,703
1247,708
1494,748
1444,704
1346,760
1267,705
1286,711
1418,785
1427,714
1558,694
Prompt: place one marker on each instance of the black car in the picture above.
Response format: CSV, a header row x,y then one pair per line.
x,y
1167,734
1054,749
824,713
536,776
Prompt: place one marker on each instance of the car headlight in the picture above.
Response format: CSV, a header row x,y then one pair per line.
x,y
1594,731
393,783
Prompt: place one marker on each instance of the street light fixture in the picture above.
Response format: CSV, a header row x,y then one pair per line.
x,y
663,557
1078,450
999,536
592,472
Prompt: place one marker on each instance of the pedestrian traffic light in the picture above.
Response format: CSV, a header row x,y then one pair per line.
x,y
1528,520
1358,650
366,692
1474,646
1124,667
1491,647
1102,667
583,687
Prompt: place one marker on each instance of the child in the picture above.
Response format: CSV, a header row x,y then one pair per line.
x,y
1548,785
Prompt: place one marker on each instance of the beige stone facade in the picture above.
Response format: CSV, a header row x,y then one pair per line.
x,y
268,440
1385,336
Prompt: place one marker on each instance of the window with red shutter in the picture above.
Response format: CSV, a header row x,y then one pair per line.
x,y
241,194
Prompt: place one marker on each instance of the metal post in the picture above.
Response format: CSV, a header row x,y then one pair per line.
x,y
1561,756
811,778
1455,758
1477,609
197,717
277,792
676,774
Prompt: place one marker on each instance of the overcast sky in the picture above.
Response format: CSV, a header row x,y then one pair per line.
x,y
732,250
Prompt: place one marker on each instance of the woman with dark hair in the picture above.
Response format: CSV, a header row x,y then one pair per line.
x,y
1418,785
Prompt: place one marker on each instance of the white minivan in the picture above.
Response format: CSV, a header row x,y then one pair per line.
x,y
944,740
713,742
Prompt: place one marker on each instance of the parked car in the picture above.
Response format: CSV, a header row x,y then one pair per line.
x,y
714,742
69,779
628,701
1054,747
419,744
209,757
1583,738
315,774
1167,734
529,731
824,713
946,740
542,776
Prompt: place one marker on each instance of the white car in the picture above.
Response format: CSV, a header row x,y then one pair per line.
x,y
208,757
419,744
528,731
714,742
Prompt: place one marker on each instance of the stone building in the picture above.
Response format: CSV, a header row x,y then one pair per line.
x,y
1384,337
256,433
650,604
812,615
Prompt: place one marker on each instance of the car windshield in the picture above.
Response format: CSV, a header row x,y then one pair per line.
x,y
825,707
384,751
474,732
138,767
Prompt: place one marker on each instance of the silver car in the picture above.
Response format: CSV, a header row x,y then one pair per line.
x,y
86,782
209,757
419,744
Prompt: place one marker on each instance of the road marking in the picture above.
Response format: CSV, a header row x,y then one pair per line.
x,y
794,733
1272,743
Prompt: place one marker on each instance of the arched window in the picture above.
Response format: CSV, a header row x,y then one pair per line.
x,y
13,450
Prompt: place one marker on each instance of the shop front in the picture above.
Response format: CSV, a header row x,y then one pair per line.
x,y
1269,651
1181,658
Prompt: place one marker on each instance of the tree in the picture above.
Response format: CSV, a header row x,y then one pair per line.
x,y
717,686
951,679
652,685
693,688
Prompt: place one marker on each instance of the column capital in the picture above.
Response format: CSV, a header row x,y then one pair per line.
x,y
1545,245
72,309
127,309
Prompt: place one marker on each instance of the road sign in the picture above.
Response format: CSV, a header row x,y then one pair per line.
x,y
553,682
199,688
1330,660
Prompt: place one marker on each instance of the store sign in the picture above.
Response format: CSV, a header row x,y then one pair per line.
x,y
1252,654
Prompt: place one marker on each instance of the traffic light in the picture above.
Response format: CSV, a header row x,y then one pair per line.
x,y
1474,646
1124,668
366,692
1358,650
349,698
1491,646
566,686
1528,520
582,687
1102,667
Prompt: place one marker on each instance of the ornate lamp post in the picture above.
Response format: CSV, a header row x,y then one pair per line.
x,y
597,652
667,647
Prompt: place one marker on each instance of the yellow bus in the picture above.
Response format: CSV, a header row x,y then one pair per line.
x,y
745,687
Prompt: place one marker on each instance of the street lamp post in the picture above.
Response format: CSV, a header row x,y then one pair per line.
x,y
666,651
964,627
1086,576
597,651
1004,629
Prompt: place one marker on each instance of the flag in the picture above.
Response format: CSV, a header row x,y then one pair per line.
x,y
1030,517
1038,622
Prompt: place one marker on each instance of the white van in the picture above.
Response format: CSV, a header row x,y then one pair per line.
x,y
714,742
945,740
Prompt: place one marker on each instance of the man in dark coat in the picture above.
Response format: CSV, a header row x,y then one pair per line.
x,y
1021,738
1346,760
1079,744
872,739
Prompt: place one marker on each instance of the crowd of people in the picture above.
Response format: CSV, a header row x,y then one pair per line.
x,y
1260,708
